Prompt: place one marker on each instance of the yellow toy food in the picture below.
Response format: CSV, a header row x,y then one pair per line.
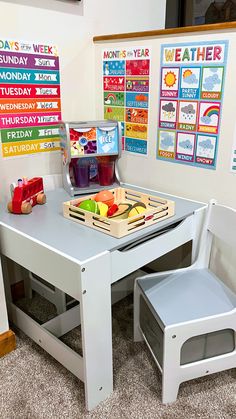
x,y
137,208
103,208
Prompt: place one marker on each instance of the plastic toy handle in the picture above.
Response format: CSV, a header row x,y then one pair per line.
x,y
12,187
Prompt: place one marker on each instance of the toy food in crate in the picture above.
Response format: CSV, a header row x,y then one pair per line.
x,y
118,212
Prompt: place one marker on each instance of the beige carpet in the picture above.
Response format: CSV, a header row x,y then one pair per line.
x,y
34,386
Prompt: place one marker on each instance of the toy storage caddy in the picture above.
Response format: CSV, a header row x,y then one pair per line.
x,y
89,143
157,209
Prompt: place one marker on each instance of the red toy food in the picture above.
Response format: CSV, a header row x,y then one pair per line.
x,y
112,210
26,195
106,197
122,211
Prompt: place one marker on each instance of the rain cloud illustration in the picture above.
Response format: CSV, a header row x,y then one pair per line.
x,y
188,112
166,141
169,110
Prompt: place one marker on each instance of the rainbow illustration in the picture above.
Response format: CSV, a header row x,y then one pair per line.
x,y
110,97
212,110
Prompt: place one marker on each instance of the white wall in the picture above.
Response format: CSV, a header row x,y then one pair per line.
x,y
119,16
71,25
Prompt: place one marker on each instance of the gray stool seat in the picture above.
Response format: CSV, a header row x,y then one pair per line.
x,y
200,294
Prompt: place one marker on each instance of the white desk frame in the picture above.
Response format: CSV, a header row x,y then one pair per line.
x,y
87,279
4,325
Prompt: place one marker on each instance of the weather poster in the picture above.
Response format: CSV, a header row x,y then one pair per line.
x,y
233,154
126,87
190,102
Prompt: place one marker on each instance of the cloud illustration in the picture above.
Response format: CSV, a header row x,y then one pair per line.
x,y
168,107
191,79
189,109
211,81
206,119
215,78
209,86
166,140
214,69
206,144
186,144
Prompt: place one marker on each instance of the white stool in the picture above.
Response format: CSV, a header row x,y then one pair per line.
x,y
188,316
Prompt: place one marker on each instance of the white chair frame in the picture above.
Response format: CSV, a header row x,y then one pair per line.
x,y
175,335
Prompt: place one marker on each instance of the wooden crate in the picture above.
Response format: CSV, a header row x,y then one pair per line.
x,y
158,209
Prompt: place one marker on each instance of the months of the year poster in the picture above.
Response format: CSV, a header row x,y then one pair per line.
x,y
190,103
126,74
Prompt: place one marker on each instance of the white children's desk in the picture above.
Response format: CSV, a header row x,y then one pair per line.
x,y
84,263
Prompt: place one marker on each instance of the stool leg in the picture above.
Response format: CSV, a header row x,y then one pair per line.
x,y
170,387
171,365
137,334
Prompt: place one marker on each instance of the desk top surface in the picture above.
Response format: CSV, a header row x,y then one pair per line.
x,y
47,225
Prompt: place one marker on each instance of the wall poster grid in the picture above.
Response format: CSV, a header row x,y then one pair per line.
x,y
126,94
30,105
233,154
191,92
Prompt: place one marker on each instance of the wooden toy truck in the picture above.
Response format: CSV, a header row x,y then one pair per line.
x,y
26,195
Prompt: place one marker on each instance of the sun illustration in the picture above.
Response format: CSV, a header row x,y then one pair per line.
x,y
170,79
187,73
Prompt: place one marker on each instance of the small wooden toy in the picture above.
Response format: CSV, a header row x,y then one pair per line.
x,y
89,205
103,208
112,210
137,208
122,212
26,194
106,197
139,204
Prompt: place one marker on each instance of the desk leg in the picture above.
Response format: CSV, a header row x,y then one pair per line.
x,y
7,337
95,306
